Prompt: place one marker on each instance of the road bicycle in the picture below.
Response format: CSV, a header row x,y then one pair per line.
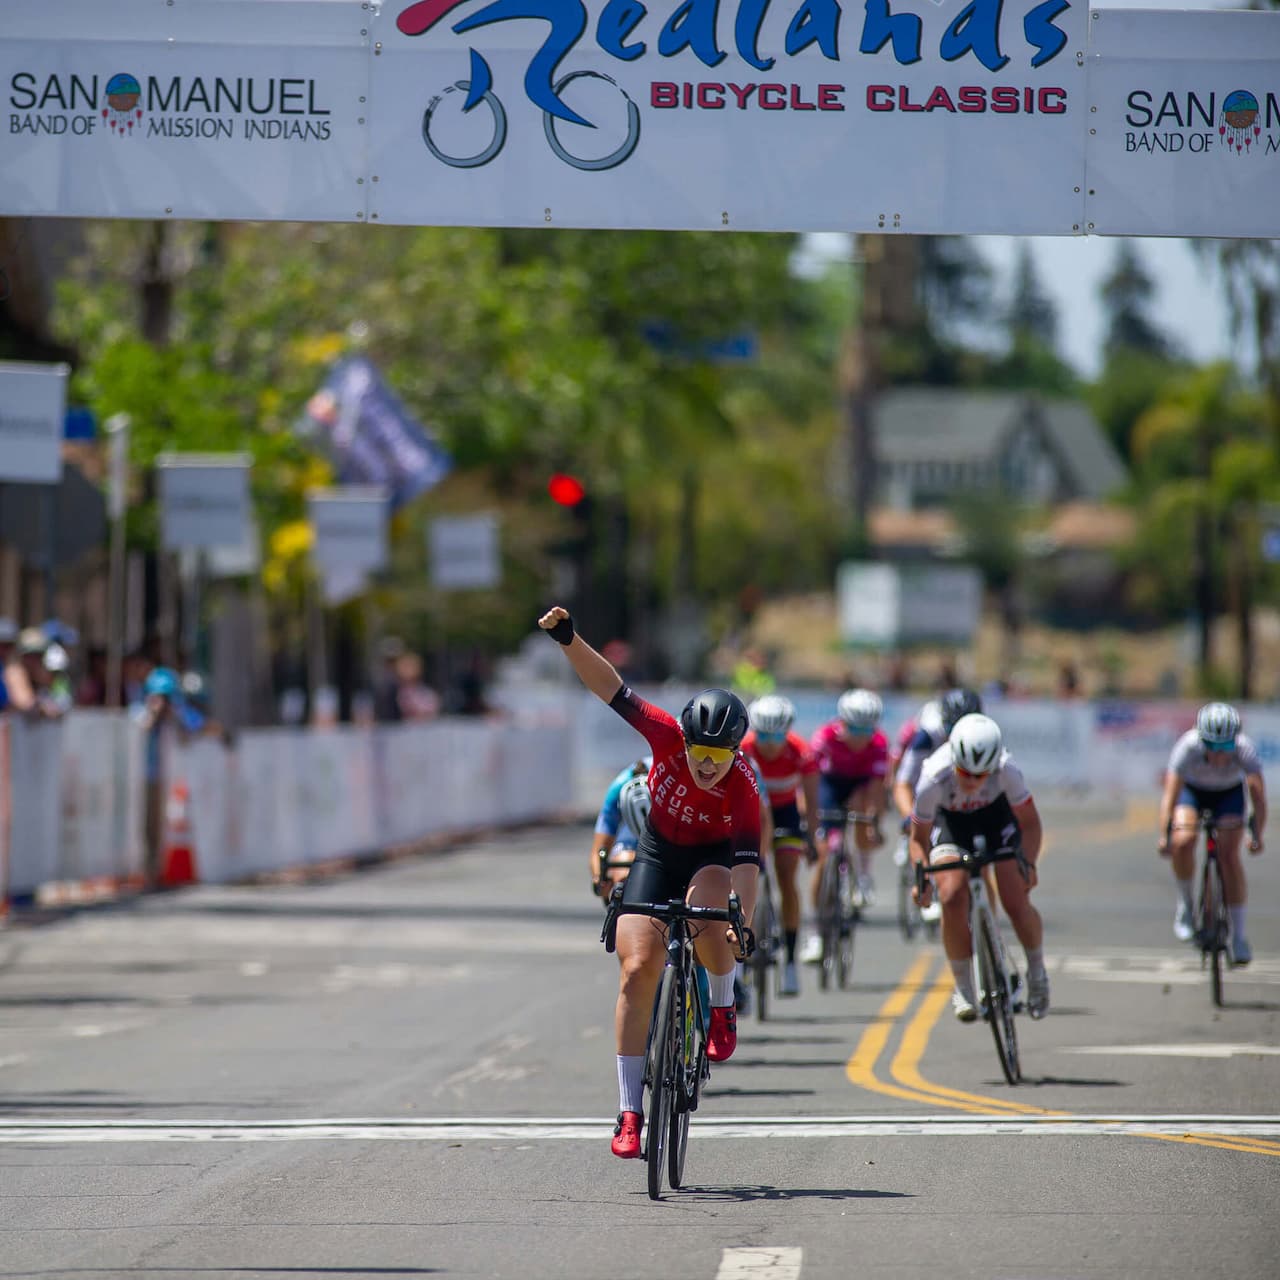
x,y
911,918
766,923
1212,920
995,980
675,1062
838,909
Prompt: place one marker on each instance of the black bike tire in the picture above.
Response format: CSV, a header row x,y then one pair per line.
x,y
908,919
659,1072
994,993
846,926
828,922
763,958
1212,931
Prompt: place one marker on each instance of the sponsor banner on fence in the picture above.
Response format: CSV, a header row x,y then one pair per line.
x,y
235,110
1185,135
746,116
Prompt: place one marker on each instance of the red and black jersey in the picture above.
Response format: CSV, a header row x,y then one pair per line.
x,y
683,813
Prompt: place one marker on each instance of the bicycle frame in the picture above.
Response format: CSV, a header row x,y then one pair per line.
x,y
995,981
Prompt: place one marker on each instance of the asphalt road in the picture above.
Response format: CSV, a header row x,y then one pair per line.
x,y
410,1072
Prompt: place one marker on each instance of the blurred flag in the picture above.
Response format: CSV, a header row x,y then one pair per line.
x,y
369,434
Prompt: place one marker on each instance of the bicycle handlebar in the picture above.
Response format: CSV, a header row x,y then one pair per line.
x,y
973,862
829,817
676,909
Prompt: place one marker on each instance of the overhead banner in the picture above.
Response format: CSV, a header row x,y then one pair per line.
x,y
237,109
1013,117
33,404
926,118
204,500
1187,128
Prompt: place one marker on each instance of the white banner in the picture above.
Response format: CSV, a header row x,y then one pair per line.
x,y
796,117
1185,138
204,500
33,404
237,109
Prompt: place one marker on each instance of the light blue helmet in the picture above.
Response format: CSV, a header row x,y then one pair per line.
x,y
163,681
1218,722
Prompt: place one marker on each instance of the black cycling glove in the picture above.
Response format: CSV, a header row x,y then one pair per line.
x,y
562,632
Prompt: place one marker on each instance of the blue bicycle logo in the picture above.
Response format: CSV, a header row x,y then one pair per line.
x,y
479,89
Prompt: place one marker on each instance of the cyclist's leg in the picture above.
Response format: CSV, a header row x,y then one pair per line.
x,y
1229,812
832,793
952,891
710,887
1182,855
866,798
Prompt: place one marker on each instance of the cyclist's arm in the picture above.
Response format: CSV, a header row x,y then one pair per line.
x,y
809,784
1030,828
1168,801
600,845
1258,799
904,797
918,841
592,668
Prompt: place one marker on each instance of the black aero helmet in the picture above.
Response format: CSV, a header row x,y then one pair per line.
x,y
955,704
714,718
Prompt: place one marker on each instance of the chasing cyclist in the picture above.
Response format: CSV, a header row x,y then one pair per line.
x,y
1210,768
853,763
970,788
701,840
785,764
622,816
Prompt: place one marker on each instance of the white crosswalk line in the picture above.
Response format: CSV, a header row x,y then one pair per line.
x,y
760,1264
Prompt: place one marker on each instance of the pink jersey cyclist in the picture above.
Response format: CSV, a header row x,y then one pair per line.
x,y
845,766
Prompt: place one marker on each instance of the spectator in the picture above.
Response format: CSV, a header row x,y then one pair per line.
x,y
157,715
8,638
137,666
415,699
386,685
56,698
25,675
1068,681
92,689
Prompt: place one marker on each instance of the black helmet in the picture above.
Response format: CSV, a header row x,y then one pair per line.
x,y
956,703
714,718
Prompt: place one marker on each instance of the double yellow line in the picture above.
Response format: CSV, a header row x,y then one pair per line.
x,y
910,1085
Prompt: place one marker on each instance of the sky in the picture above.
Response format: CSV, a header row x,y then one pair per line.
x,y
1188,304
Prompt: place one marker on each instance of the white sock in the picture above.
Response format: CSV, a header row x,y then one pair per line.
x,y
1185,890
1035,960
721,988
864,863
962,970
1237,920
630,1081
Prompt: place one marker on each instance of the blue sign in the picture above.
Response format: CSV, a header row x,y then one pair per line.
x,y
79,424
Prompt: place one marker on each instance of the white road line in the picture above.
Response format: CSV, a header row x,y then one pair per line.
x,y
1174,1050
760,1264
464,1129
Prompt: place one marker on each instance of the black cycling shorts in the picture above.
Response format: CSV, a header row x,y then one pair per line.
x,y
995,822
662,870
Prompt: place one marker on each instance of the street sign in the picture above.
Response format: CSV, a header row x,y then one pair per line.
x,y
33,405
204,499
464,552
350,524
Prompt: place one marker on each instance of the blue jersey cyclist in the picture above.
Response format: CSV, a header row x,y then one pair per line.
x,y
701,840
622,816
1210,768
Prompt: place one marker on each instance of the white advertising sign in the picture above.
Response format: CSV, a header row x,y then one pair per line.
x,y
1185,138
33,404
464,552
350,525
885,604
234,110
746,116
204,500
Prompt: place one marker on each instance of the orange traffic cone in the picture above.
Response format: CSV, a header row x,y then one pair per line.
x,y
177,854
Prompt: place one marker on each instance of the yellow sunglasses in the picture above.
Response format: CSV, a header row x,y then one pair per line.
x,y
717,755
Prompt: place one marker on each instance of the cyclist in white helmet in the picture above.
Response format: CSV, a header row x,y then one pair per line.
x,y
618,825
786,767
1210,768
968,788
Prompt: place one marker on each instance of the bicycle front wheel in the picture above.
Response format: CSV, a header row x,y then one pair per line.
x,y
848,922
993,990
660,1078
764,957
1214,926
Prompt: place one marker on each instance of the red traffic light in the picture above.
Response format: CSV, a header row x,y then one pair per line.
x,y
566,490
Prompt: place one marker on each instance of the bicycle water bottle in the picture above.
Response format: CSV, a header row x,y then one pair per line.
x,y
704,993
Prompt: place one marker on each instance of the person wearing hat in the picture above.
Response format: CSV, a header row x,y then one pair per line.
x,y
24,672
158,717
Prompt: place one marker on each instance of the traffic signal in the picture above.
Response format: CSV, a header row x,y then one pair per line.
x,y
566,490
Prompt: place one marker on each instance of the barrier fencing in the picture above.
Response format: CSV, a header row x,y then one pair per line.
x,y
73,792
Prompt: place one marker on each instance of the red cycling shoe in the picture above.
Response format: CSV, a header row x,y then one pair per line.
x,y
626,1135
722,1037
